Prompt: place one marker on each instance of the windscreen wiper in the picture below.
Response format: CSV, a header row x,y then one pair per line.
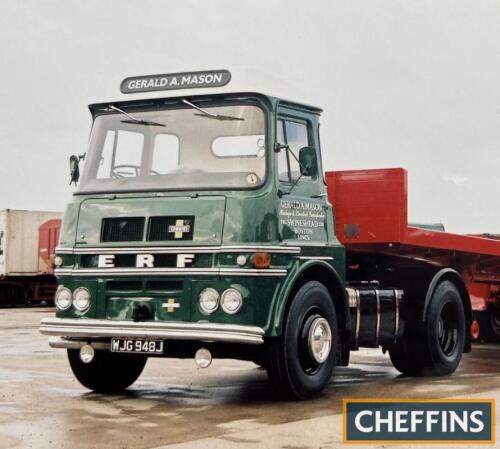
x,y
205,113
133,120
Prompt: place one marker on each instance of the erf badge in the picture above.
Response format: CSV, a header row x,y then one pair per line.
x,y
180,227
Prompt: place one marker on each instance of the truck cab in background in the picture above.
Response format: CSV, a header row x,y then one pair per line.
x,y
203,227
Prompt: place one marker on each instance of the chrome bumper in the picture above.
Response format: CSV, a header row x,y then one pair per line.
x,y
78,328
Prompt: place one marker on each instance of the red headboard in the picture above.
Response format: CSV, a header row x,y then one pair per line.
x,y
370,206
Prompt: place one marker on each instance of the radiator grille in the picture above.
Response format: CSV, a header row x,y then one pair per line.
x,y
123,229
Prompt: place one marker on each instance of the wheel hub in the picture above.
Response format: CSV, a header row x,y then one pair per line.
x,y
320,339
447,330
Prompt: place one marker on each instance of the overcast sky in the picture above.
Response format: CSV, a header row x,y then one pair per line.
x,y
413,84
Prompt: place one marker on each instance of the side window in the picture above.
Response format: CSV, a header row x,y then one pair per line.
x,y
296,136
165,154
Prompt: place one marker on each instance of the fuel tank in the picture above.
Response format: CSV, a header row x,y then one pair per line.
x,y
375,315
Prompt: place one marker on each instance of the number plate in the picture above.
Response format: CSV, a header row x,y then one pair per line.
x,y
132,345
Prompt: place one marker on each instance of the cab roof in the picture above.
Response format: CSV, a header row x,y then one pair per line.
x,y
271,101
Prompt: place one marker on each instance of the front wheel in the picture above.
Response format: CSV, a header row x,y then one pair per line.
x,y
434,348
301,361
107,372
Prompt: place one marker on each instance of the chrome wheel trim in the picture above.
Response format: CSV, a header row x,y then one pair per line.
x,y
320,340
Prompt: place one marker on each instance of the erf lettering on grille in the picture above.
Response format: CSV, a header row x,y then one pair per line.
x,y
418,421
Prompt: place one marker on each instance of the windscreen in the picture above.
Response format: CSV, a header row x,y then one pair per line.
x,y
220,147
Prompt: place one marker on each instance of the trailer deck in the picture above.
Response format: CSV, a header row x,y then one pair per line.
x,y
372,217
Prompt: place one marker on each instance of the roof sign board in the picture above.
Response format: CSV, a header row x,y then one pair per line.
x,y
171,81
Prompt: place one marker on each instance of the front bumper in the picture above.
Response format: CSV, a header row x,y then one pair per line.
x,y
81,328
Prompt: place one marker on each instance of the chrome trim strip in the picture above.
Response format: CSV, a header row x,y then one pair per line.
x,y
252,271
398,295
377,294
170,271
64,250
358,315
315,258
66,343
179,249
170,330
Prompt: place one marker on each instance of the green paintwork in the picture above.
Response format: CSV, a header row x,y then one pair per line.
x,y
241,217
207,210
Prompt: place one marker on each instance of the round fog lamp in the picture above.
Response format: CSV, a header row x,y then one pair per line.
x,y
203,358
63,298
87,353
81,299
209,300
231,301
58,261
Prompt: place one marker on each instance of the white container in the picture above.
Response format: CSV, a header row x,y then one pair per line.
x,y
19,240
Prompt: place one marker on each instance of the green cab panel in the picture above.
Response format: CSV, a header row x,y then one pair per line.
x,y
205,212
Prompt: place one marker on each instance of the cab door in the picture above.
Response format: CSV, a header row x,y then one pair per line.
x,y
303,208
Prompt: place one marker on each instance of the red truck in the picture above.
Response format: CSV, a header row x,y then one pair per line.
x,y
27,244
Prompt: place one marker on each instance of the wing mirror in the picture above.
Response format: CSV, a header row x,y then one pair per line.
x,y
74,168
308,161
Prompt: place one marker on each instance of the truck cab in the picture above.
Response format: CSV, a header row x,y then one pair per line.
x,y
201,227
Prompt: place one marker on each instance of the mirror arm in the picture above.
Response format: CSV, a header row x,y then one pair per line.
x,y
281,193
280,146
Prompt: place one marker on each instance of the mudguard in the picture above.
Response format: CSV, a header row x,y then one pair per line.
x,y
318,270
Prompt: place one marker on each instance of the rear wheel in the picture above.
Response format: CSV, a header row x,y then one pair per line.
x,y
435,347
301,361
107,372
489,324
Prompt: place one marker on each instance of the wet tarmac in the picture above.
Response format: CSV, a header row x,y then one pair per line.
x,y
229,404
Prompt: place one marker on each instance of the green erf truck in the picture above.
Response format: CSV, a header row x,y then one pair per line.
x,y
203,226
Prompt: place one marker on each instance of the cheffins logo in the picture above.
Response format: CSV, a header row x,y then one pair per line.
x,y
418,421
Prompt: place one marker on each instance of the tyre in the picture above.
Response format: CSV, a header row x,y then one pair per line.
x,y
489,325
435,347
107,372
301,361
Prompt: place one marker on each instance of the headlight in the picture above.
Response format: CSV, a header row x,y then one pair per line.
x,y
81,299
231,301
58,261
209,300
63,298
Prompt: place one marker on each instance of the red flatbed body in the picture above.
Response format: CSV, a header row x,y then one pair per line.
x,y
371,216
